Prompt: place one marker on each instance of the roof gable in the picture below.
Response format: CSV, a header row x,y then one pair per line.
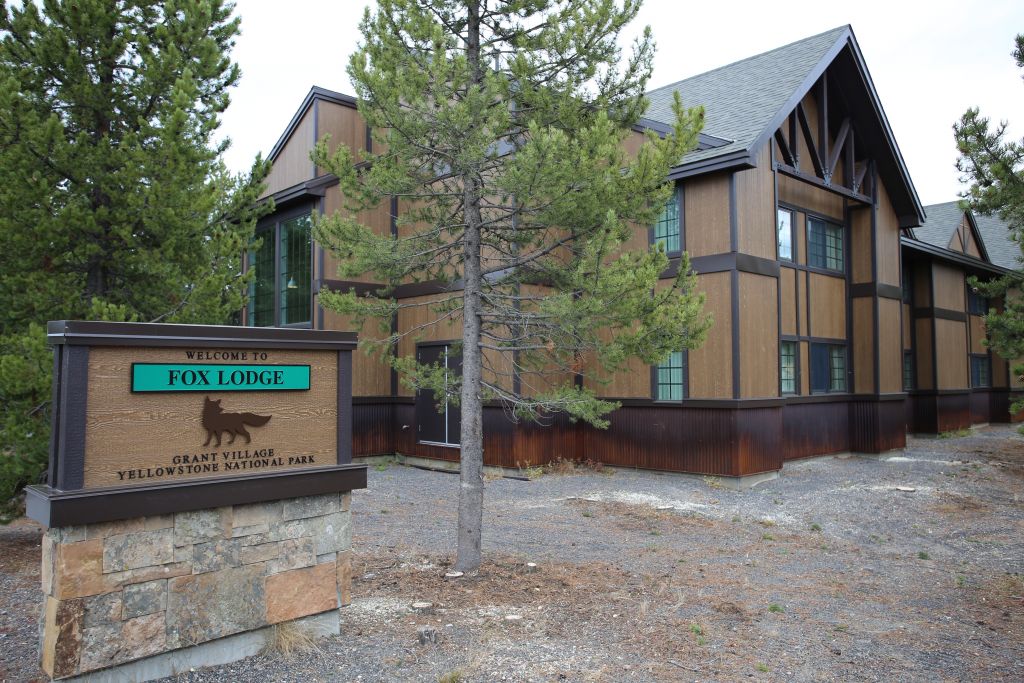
x,y
747,101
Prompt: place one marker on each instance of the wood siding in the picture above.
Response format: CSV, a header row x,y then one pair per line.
x,y
710,367
759,349
707,214
293,165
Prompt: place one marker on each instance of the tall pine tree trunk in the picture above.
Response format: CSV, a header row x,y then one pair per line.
x,y
471,481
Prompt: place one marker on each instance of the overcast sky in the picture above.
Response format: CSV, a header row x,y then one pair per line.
x,y
929,62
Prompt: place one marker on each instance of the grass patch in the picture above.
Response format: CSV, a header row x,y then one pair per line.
x,y
922,555
955,434
763,668
452,677
290,639
815,527
775,608
767,537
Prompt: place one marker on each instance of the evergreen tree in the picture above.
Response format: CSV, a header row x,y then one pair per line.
x,y
994,167
114,203
502,125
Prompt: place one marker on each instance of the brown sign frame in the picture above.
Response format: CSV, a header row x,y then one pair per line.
x,y
63,498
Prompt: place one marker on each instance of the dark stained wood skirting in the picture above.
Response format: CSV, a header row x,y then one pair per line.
x,y
725,440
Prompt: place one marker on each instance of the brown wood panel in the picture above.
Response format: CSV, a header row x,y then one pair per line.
x,y
908,321
810,105
949,287
371,376
759,336
344,125
707,214
860,245
811,429
293,165
710,366
890,361
416,323
801,301
805,368
972,245
798,193
877,426
788,300
887,240
951,352
863,345
126,432
922,284
800,233
373,428
828,306
923,353
977,330
999,371
755,208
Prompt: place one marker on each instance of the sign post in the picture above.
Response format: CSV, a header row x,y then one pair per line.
x,y
198,491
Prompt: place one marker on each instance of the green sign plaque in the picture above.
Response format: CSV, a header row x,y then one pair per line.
x,y
160,377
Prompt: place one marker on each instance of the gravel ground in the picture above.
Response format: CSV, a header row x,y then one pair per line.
x,y
908,568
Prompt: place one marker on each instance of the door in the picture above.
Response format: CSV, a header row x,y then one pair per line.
x,y
432,426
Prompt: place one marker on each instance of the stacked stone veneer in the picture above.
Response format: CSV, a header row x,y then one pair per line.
x,y
120,591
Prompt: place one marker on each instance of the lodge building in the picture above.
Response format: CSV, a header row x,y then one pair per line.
x,y
843,318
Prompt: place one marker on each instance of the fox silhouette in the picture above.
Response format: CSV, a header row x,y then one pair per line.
x,y
216,422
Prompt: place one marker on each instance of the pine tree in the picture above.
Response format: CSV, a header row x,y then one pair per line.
x,y
994,167
502,125
114,202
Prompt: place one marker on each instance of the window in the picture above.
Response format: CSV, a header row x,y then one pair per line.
x,y
436,422
785,234
976,303
825,244
908,370
281,290
787,367
670,378
980,373
666,230
828,367
907,283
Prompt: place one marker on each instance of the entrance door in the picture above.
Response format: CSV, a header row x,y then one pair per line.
x,y
435,427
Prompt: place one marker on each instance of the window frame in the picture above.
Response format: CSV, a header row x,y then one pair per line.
x,y
684,368
271,227
974,299
792,258
652,231
987,364
829,345
912,384
809,220
796,368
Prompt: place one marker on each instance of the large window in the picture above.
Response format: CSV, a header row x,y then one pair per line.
x,y
280,292
828,367
670,378
981,374
908,370
825,244
976,303
787,367
785,234
666,230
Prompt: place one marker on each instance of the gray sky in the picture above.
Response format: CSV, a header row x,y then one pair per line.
x,y
929,62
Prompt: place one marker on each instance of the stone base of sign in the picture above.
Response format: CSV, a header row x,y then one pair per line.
x,y
117,592
212,653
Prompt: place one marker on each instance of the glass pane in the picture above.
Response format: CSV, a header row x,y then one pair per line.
x,y
785,234
908,371
837,367
296,275
261,289
666,230
825,244
787,367
670,378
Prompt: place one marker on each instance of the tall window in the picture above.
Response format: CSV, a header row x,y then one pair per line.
x,y
785,234
670,378
828,367
976,303
825,244
666,230
981,375
907,284
908,370
787,367
280,292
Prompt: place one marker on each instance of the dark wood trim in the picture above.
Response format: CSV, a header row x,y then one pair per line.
x,y
876,289
818,182
344,444
972,264
69,472
92,333
940,313
734,287
54,508
783,204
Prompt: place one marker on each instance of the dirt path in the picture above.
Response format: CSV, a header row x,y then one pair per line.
x,y
834,571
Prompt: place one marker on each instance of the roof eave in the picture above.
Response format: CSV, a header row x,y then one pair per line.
x,y
954,256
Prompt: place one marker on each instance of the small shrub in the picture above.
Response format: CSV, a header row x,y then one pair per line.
x,y
961,581
452,677
696,629
290,639
763,668
588,513
775,608
955,433
923,556
815,527
767,537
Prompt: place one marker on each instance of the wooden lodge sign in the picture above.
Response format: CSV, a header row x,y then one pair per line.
x,y
138,406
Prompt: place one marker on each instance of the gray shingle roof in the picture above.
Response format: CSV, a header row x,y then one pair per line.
x,y
942,222
1002,250
741,99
